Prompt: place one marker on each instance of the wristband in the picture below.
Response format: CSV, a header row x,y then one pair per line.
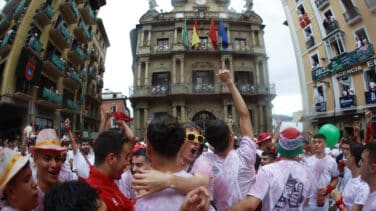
x,y
340,204
329,189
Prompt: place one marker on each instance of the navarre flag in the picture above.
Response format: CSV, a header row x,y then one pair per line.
x,y
195,37
223,34
184,37
213,35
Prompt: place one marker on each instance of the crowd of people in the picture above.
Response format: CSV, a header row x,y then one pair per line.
x,y
173,169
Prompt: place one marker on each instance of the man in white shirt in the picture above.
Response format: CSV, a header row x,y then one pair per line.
x,y
283,185
368,174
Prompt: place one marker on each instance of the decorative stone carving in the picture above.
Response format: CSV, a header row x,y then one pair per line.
x,y
152,4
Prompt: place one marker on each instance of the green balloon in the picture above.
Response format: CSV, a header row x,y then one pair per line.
x,y
331,134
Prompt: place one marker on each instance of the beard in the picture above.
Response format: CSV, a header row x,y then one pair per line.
x,y
85,151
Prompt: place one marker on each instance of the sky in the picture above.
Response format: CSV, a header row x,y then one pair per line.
x,y
121,16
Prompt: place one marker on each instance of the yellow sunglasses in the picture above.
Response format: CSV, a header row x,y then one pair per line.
x,y
191,137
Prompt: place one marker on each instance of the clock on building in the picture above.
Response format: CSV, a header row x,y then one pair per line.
x,y
200,2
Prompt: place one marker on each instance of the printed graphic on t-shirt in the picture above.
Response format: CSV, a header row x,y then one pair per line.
x,y
292,195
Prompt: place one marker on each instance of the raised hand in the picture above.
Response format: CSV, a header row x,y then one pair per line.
x,y
197,199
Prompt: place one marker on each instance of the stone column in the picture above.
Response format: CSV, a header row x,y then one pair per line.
x,y
182,70
183,117
149,37
142,38
175,35
139,74
146,115
225,115
174,111
257,72
174,70
146,82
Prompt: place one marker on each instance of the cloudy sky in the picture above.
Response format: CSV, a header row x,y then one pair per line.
x,y
120,16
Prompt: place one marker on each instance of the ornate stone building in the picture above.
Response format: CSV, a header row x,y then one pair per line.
x,y
171,76
52,57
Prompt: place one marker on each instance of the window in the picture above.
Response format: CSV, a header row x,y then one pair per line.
x,y
315,61
203,43
244,81
335,45
370,79
330,24
203,81
310,40
113,108
361,37
160,83
163,44
146,38
301,10
346,85
240,44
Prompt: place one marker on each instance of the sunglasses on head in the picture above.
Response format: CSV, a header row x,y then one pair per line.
x,y
191,137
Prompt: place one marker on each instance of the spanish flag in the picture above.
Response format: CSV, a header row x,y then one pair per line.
x,y
195,37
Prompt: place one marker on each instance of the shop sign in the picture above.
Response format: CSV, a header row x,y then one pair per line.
x,y
348,59
320,73
349,71
320,107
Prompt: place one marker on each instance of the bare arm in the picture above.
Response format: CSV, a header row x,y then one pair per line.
x,y
105,116
277,130
126,130
68,131
151,181
240,106
249,203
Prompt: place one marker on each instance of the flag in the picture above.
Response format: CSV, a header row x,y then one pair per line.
x,y
213,35
223,34
195,37
184,37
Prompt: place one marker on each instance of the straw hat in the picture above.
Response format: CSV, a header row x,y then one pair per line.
x,y
10,164
48,140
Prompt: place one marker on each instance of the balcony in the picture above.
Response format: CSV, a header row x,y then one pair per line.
x,y
51,97
310,42
6,43
20,10
320,107
197,89
72,105
241,49
162,49
370,97
92,73
88,15
347,101
54,65
81,33
35,45
77,56
61,36
5,23
331,27
371,4
352,15
73,79
69,11
93,54
44,16
144,50
321,4
24,90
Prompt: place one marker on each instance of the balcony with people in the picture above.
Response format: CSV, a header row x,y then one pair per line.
x,y
61,36
34,43
76,54
51,95
54,64
330,24
6,42
88,14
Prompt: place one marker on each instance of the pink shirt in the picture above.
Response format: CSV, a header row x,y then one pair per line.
x,y
125,185
370,204
167,200
283,185
232,175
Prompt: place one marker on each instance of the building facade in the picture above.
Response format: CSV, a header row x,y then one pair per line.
x,y
52,57
114,101
335,57
177,76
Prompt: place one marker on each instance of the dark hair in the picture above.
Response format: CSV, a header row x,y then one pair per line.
x,y
217,133
319,136
73,196
356,151
141,152
165,135
269,154
108,142
371,149
348,142
191,125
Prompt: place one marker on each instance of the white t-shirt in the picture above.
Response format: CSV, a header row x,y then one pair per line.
x,y
323,170
125,185
233,175
370,204
80,164
66,173
283,185
344,180
356,192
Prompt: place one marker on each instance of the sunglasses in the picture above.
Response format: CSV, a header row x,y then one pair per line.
x,y
191,137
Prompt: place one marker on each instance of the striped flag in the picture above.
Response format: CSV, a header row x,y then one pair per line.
x,y
184,37
195,37
213,35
